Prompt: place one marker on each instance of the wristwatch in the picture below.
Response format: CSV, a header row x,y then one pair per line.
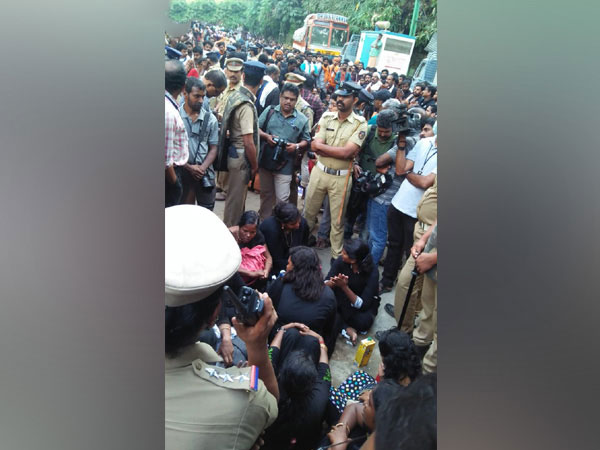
x,y
297,147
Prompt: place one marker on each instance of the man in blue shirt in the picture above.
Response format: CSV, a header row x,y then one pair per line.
x,y
284,122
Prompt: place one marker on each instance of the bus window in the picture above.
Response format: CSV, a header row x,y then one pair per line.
x,y
338,37
320,36
397,46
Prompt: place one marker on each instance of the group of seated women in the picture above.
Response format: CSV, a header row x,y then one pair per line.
x,y
312,311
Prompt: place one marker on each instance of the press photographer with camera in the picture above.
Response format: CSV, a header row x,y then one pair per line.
x,y
366,181
203,133
207,406
285,135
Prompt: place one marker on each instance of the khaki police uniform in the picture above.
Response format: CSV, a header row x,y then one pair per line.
x,y
426,332
426,216
208,407
242,123
330,175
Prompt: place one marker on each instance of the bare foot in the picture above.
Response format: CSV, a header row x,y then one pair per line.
x,y
353,335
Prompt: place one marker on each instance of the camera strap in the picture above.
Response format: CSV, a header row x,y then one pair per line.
x,y
201,135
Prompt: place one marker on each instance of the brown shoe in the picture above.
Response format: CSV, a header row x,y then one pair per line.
x,y
221,196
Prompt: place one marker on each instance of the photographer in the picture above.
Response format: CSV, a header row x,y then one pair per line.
x,y
203,134
207,406
379,140
285,135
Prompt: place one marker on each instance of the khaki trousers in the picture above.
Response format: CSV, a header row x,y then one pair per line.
x,y
320,185
426,331
274,187
414,303
222,179
239,176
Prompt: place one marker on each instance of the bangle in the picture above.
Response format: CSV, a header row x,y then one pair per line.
x,y
323,347
281,329
321,341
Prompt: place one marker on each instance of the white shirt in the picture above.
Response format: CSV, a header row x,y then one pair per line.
x,y
424,155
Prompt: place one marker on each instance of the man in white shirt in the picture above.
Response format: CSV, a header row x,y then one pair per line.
x,y
419,166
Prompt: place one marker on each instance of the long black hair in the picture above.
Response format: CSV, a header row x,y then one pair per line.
x,y
399,356
359,250
306,276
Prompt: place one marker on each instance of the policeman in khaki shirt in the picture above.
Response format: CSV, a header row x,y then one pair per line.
x,y
207,406
339,137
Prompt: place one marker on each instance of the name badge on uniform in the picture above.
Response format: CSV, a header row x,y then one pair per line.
x,y
329,129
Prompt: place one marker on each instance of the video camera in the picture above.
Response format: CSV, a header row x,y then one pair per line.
x,y
372,184
248,307
280,145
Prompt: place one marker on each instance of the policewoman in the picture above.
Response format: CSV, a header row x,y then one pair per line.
x,y
338,139
207,406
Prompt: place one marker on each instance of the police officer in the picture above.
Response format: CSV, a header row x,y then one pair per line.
x,y
207,406
338,139
239,140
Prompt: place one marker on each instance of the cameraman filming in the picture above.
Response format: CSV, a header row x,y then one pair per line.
x,y
379,140
285,135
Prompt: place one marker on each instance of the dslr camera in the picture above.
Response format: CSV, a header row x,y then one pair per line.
x,y
372,184
280,145
248,306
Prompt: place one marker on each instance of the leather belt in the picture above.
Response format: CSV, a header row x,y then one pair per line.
x,y
331,171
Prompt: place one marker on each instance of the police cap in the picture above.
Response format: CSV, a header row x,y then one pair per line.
x,y
365,96
294,78
349,88
234,64
254,67
196,266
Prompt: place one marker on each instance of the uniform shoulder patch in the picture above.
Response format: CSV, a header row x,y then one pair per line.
x,y
361,135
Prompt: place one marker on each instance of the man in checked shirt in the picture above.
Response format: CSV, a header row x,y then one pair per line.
x,y
176,138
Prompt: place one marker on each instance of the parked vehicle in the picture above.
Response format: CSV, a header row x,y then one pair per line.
x,y
322,33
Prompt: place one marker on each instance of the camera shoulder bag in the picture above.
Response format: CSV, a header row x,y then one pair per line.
x,y
265,158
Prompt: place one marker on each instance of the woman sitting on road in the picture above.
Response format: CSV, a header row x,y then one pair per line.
x,y
299,358
355,282
256,259
301,296
283,230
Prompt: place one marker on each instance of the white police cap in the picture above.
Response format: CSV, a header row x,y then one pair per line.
x,y
200,254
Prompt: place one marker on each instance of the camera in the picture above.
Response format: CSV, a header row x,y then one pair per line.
x,y
372,184
206,183
280,145
248,306
311,155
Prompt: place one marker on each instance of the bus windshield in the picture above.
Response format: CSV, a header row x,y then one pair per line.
x,y
338,37
320,36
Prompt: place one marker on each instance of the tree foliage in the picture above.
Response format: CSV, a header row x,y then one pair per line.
x,y
278,19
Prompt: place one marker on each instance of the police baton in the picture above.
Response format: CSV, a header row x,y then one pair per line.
x,y
414,274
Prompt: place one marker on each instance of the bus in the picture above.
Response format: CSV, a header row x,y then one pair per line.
x,y
395,54
322,33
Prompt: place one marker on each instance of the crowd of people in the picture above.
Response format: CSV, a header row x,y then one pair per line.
x,y
251,319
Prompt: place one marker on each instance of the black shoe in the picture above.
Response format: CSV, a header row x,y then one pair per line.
x,y
383,288
389,308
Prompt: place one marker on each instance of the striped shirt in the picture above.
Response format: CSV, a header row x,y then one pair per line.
x,y
176,138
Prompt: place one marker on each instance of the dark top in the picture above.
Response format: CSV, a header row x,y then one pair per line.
x,y
425,103
306,429
259,239
279,243
319,315
365,285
